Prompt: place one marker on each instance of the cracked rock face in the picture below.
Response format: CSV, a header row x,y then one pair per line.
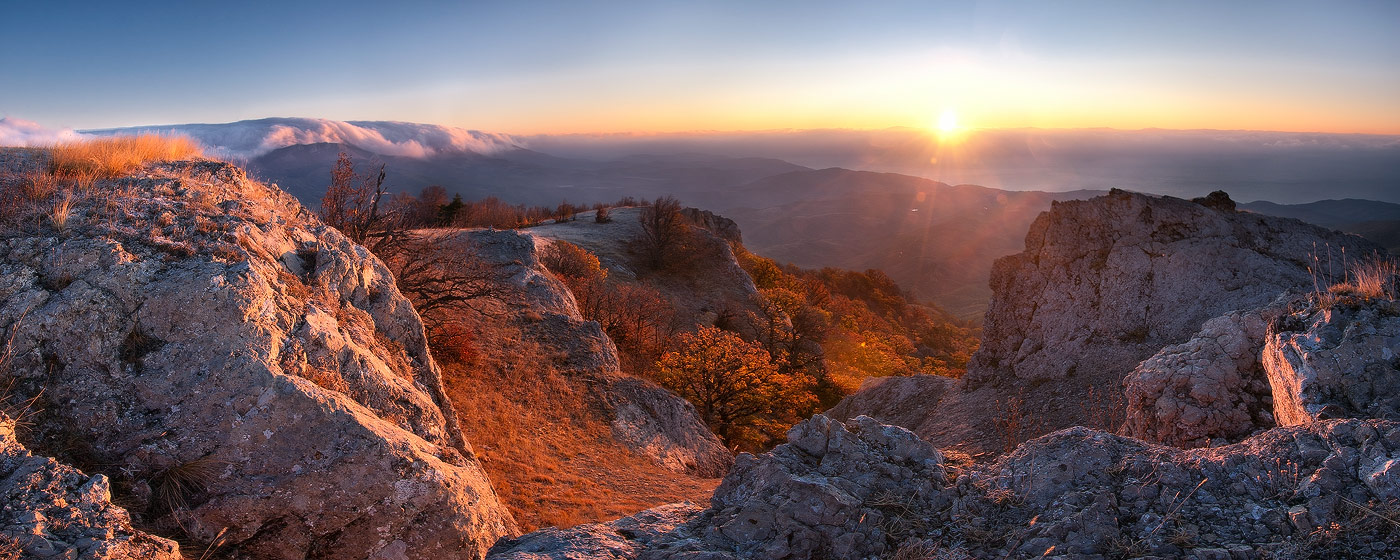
x,y
54,510
1342,362
1105,283
189,320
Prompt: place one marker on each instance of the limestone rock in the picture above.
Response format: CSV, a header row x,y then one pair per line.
x,y
1106,282
1087,493
835,490
1341,362
53,510
721,226
1211,388
896,400
188,317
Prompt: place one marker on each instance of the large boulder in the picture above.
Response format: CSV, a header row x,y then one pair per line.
x,y
1211,388
52,510
235,366
1339,362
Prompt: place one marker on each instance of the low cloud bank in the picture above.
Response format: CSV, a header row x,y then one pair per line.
x,y
19,132
249,139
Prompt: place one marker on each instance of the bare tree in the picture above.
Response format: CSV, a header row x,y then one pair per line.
x,y
442,274
436,273
663,230
351,205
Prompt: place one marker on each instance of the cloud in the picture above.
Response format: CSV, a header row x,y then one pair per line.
x,y
19,132
249,139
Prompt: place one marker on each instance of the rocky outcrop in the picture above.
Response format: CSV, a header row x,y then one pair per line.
x,y
52,510
865,490
1338,362
1102,285
236,366
1105,283
721,226
643,416
1079,492
1211,388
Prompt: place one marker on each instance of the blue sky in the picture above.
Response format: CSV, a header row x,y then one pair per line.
x,y
540,67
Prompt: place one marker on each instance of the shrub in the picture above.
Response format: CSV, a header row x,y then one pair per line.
x,y
565,212
117,155
570,261
601,215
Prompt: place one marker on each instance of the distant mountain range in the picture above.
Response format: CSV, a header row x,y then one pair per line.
x,y
1377,221
936,239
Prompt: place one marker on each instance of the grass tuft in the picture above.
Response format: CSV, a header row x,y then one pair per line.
x,y
172,488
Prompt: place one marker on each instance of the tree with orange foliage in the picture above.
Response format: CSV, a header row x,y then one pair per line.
x,y
735,387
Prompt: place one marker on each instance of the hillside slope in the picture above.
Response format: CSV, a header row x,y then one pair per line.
x,y
566,436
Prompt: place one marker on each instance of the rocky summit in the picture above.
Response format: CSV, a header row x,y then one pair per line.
x,y
1102,285
239,371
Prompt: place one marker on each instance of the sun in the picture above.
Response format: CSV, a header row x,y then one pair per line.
x,y
948,121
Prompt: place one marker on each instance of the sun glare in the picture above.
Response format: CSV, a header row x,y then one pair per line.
x,y
948,121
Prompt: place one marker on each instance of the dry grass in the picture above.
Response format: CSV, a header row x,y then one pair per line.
x,y
61,211
1374,279
105,158
172,488
550,455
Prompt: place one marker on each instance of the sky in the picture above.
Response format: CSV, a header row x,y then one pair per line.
x,y
658,66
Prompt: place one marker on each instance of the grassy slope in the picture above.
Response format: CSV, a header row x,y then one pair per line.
x,y
549,453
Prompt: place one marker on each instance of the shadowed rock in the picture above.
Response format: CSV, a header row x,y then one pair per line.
x,y
54,510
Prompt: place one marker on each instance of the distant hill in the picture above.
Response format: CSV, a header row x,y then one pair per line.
x,y
1374,220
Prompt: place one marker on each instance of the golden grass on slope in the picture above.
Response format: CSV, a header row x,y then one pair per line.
x,y
1373,279
549,454
105,158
